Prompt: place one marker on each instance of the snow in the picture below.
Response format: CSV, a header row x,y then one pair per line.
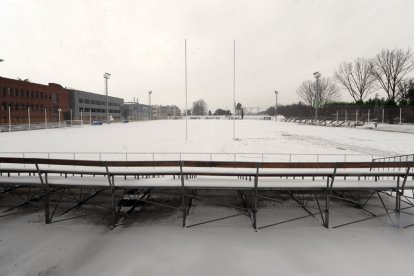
x,y
153,241
207,136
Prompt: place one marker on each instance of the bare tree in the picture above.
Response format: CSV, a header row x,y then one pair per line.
x,y
356,77
200,107
405,87
318,93
390,68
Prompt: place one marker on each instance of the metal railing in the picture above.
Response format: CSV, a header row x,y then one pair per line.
x,y
396,158
202,156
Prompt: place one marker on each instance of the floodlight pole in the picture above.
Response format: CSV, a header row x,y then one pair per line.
x,y
317,75
106,77
276,92
149,101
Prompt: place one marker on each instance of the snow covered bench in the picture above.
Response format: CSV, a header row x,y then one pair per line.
x,y
204,174
325,178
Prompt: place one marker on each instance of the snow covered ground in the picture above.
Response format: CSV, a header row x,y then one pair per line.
x,y
156,244
210,136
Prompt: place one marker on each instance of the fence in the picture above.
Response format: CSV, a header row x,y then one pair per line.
x,y
383,114
203,156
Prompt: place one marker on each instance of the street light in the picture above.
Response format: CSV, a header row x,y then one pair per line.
x,y
149,96
317,75
276,92
106,77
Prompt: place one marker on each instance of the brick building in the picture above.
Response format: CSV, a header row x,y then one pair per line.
x,y
23,97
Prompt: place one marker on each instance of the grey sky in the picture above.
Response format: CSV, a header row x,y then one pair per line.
x,y
141,43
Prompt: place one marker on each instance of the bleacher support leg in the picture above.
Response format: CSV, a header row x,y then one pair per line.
x,y
46,204
184,207
397,204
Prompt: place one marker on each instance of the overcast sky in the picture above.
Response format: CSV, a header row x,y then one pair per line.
x,y
279,44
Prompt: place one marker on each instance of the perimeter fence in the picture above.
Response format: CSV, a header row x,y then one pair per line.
x,y
200,156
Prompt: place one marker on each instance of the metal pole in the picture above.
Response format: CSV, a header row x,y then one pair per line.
x,y
9,119
70,117
317,75
400,115
383,115
276,92
106,90
356,116
45,118
59,110
186,112
81,115
28,113
337,116
106,77
90,117
234,89
369,111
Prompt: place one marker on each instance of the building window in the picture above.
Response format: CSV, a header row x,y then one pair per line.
x,y
55,98
87,101
80,100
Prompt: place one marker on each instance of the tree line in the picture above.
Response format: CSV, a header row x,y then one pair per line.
x,y
200,108
389,71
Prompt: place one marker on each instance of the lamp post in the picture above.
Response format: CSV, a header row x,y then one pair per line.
x,y
149,103
317,75
276,92
106,77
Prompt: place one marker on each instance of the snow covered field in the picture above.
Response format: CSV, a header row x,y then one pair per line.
x,y
157,245
211,136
